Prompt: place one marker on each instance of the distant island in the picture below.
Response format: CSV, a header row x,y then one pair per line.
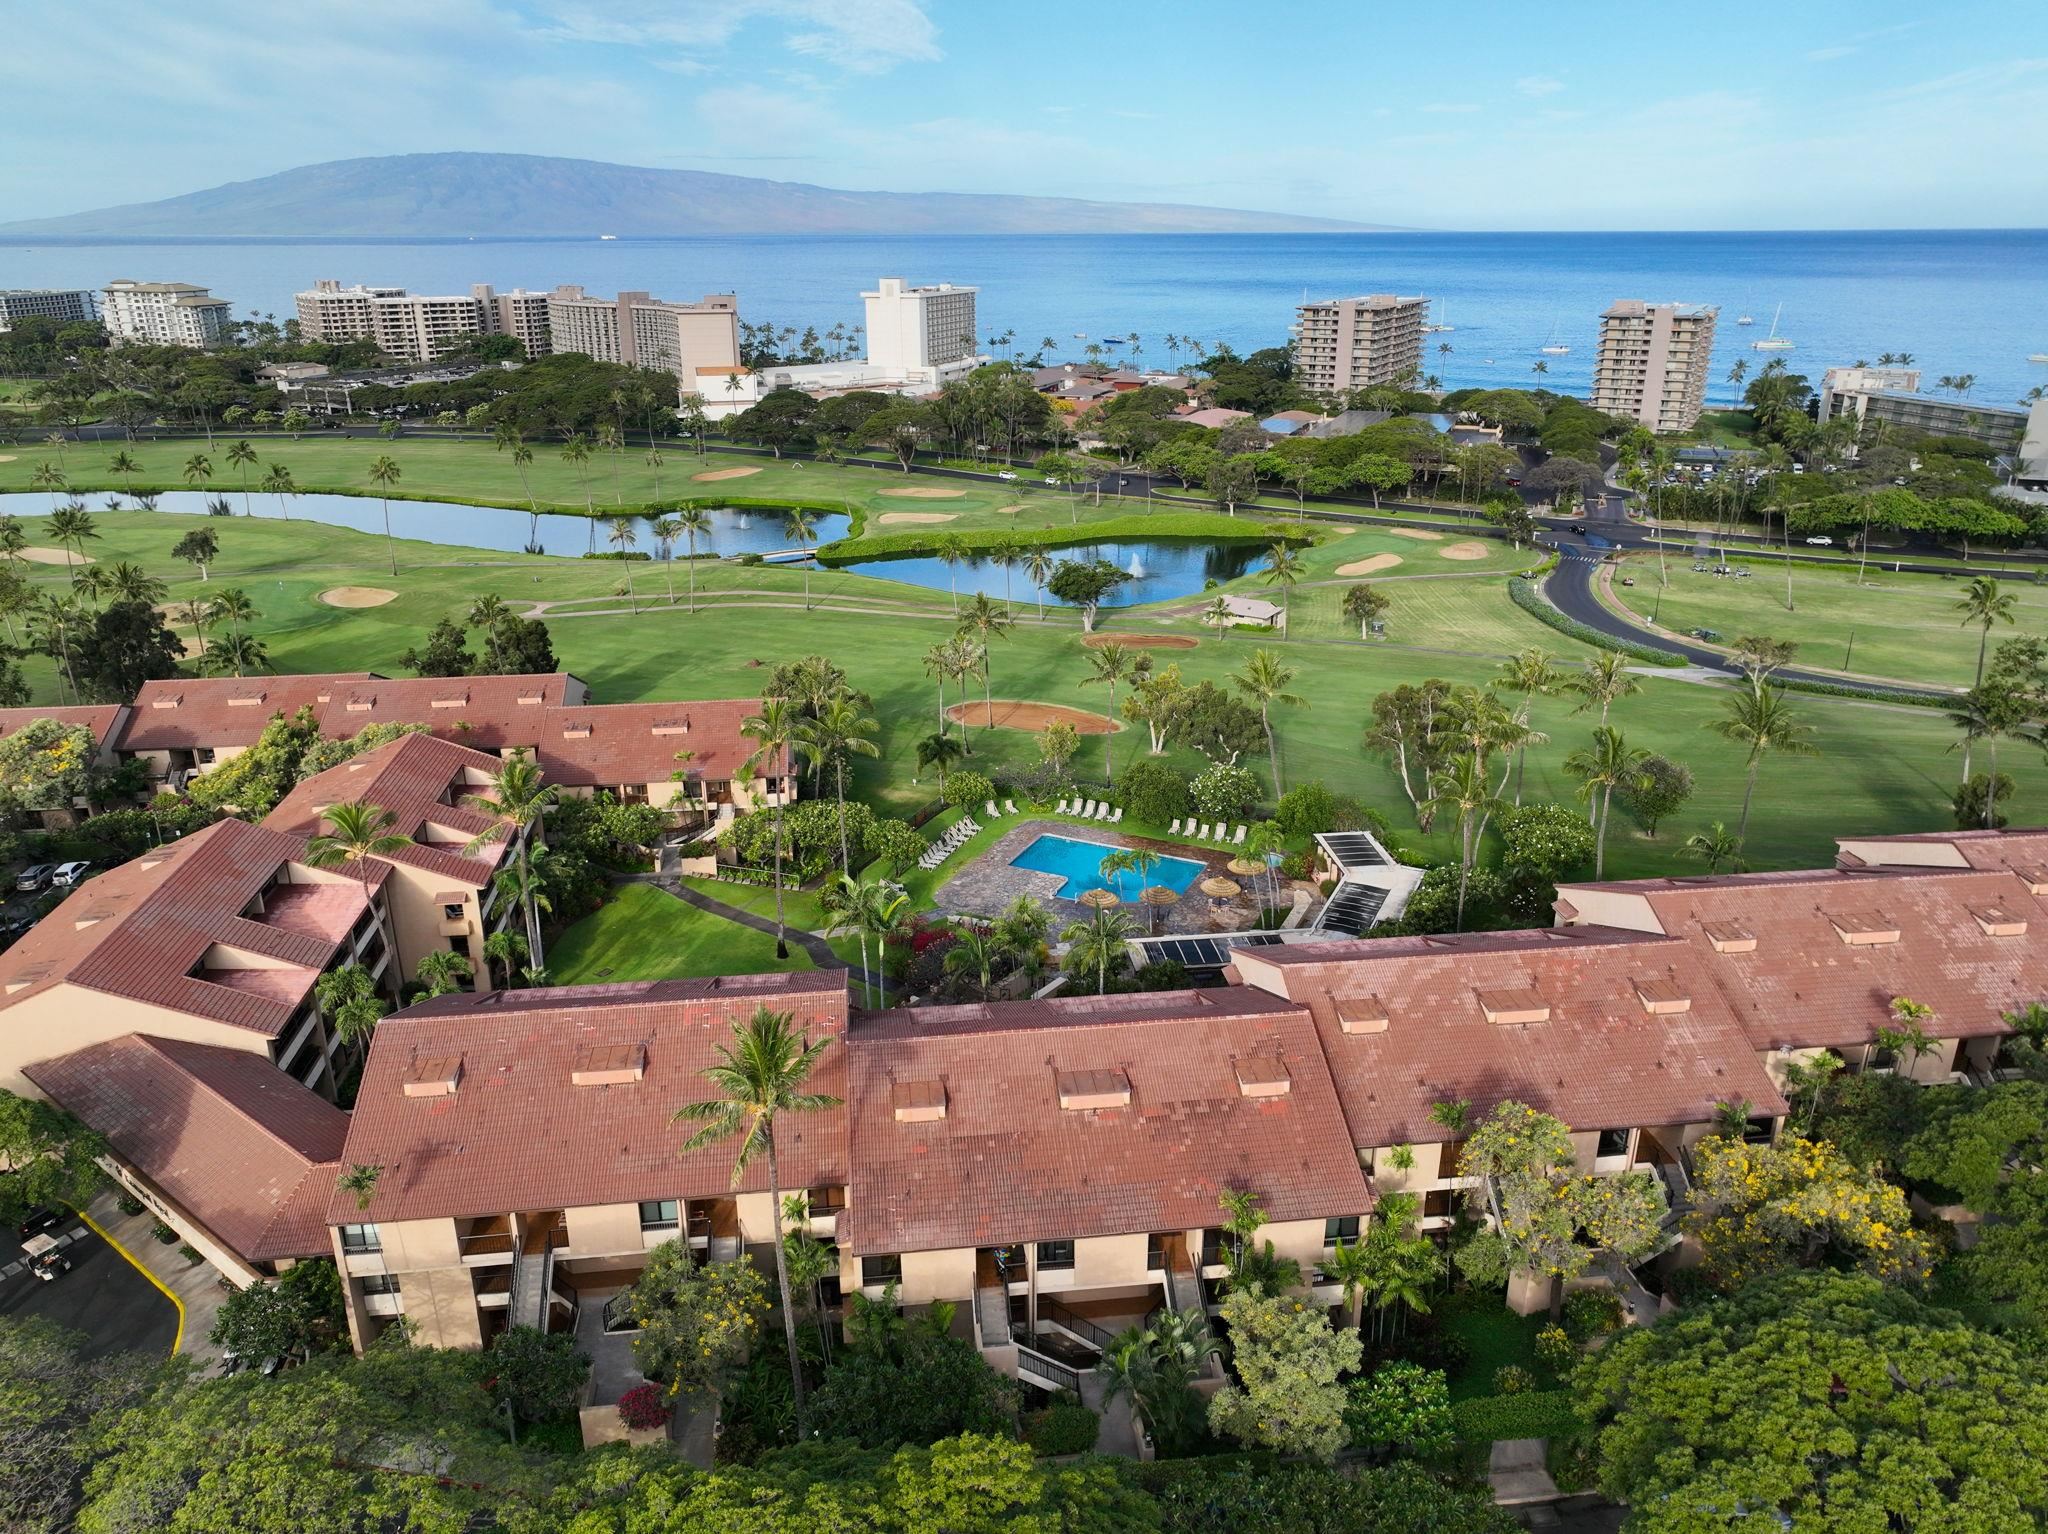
x,y
451,195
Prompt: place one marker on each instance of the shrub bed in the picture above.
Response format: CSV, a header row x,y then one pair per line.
x,y
1527,1414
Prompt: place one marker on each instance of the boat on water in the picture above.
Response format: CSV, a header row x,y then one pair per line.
x,y
1554,347
1440,327
1772,342
2037,357
1744,319
607,237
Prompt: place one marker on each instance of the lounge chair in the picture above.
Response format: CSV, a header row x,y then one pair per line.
x,y
1116,814
1009,806
993,812
1102,812
1238,840
1174,829
1087,811
1202,835
1062,809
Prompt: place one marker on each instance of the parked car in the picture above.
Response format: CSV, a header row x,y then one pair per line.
x,y
1050,480
1820,543
1006,474
36,1221
68,874
34,877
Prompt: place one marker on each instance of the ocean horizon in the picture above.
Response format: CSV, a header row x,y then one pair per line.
x,y
1967,301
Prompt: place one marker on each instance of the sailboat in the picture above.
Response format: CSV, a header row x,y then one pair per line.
x,y
1440,328
1554,347
1744,319
1772,342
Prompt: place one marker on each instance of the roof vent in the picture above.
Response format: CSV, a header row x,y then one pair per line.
x,y
1361,1014
575,732
435,1076
609,1065
455,702
1730,937
530,698
1997,921
1094,1089
245,702
918,1102
172,701
22,979
2035,878
1864,929
1263,1076
360,705
1662,998
672,729
1509,1007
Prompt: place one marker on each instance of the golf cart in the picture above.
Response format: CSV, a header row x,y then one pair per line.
x,y
44,1260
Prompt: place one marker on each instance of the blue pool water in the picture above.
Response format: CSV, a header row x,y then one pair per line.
x,y
1080,863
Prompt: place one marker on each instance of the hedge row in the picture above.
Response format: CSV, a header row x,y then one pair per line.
x,y
1523,593
1529,1414
1869,693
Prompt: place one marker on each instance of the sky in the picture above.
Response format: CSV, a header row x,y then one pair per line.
x,y
1491,114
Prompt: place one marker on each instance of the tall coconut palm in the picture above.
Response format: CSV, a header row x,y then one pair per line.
x,y
1532,674
48,476
1760,721
692,522
123,463
278,482
1714,846
1609,763
654,461
666,531
355,831
241,455
1113,664
940,751
51,628
773,732
73,528
622,535
231,605
612,441
127,582
1983,604
576,451
873,909
761,1075
239,653
385,473
840,728
1282,569
938,665
800,524
1351,1267
198,470
519,800
1465,788
1604,683
489,613
1098,944
985,622
951,551
1039,565
1265,679
976,953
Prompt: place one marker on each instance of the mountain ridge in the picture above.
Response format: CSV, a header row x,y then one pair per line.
x,y
456,193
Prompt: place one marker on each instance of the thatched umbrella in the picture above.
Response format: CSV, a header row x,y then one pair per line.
x,y
1219,888
1101,899
1159,897
1243,866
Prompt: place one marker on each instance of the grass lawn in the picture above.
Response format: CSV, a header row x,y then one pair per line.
x,y
643,933
1903,626
1494,1337
1724,428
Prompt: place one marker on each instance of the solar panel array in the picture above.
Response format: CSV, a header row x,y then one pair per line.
x,y
1353,908
1193,953
1353,849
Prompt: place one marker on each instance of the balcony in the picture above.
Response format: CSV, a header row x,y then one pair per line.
x,y
485,1242
494,1288
328,911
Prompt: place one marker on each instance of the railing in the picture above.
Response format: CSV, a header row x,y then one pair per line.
x,y
1049,1369
1095,1336
618,1313
484,1242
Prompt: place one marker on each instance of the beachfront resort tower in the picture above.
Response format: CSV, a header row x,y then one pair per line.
x,y
1653,361
914,328
1343,344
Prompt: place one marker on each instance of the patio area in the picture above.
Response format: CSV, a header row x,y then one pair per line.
x,y
989,883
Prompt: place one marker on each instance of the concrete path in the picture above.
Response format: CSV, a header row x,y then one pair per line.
x,y
1516,1472
194,1287
819,950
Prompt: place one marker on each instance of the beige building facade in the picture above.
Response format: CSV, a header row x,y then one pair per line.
x,y
913,329
1653,363
164,313
1343,344
640,330
418,327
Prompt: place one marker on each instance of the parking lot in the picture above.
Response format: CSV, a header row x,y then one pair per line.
x,y
103,1298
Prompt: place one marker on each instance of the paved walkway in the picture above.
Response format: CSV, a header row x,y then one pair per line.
x,y
820,951
194,1287
1517,1474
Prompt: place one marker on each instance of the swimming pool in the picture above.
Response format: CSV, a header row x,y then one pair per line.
x,y
1080,864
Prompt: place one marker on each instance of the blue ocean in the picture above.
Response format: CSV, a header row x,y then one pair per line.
x,y
1960,301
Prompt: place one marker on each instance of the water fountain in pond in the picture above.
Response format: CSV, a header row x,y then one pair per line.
x,y
1136,568
745,521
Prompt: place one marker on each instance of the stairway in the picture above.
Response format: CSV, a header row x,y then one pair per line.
x,y
992,1314
529,1290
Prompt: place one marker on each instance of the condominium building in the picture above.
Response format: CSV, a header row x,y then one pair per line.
x,y
910,329
67,306
687,340
1845,391
1343,344
1653,362
419,327
1892,396
164,313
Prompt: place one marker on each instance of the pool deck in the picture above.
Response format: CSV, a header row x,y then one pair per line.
x,y
990,882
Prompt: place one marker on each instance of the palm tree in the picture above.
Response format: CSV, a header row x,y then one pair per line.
x,y
773,732
950,551
1113,663
1282,569
1039,565
1354,1269
199,613
1532,675
691,522
239,653
938,665
976,953
1137,860
872,908
231,605
1217,613
278,482
654,461
198,469
131,583
1760,720
1465,788
48,476
354,831
801,524
1984,604
621,535
123,463
1714,846
519,800
385,473
91,584
241,455
609,439
442,970
1098,944
348,997
759,1076
985,622
839,728
940,751
72,527
666,531
1265,679
1604,683
1609,763
577,451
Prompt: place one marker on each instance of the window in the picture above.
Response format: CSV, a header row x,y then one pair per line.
x,y
1757,1131
380,1283
658,1214
359,1239
452,912
1343,1227
1613,1142
1055,1254
828,1200
1436,1204
1155,1253
882,1268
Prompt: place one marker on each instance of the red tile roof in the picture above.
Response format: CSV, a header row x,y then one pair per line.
x,y
2015,847
1008,1163
604,745
517,1133
1599,1059
250,1153
101,719
184,713
1805,985
420,780
138,931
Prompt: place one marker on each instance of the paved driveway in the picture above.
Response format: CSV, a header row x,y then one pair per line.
x,y
103,1297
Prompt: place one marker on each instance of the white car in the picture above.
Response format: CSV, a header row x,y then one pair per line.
x,y
1821,543
1006,474
68,874
1050,480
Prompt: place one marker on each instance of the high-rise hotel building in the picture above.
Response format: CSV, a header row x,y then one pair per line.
x,y
1343,344
418,327
1653,361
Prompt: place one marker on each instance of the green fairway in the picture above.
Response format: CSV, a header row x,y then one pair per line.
x,y
643,933
1900,626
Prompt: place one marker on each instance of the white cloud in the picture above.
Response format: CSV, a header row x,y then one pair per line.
x,y
1539,85
1451,108
865,36
1823,55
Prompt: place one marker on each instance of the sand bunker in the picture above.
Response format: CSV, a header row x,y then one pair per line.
x,y
1369,566
1012,715
1416,532
1012,510
1142,641
37,555
926,494
1470,549
918,516
7,457
357,596
711,474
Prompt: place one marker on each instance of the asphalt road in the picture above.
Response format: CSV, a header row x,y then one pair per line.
x,y
103,1297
